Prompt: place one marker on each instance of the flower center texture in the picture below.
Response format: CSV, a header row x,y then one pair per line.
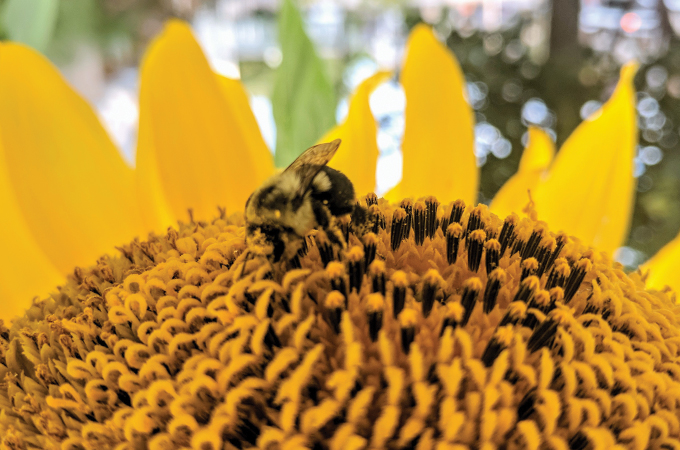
x,y
445,327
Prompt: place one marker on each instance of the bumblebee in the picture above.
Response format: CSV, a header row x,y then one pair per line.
x,y
307,195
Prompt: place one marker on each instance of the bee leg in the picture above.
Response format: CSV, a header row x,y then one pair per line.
x,y
361,221
294,262
335,236
279,247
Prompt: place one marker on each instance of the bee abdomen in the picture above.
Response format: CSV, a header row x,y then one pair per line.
x,y
334,190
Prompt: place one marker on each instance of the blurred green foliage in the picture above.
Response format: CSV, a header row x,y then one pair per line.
x,y
31,22
303,99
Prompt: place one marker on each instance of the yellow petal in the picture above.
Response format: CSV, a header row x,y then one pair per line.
x,y
75,193
590,188
358,154
237,98
663,267
198,149
438,143
25,270
536,158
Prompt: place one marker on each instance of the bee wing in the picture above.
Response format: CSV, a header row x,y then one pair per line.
x,y
310,162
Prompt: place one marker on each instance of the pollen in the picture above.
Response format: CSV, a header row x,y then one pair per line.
x,y
441,327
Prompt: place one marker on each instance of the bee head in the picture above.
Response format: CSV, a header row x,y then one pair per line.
x,y
279,202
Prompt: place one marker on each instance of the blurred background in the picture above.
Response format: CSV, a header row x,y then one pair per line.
x,y
519,58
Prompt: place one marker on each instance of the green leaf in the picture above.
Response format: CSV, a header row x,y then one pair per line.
x,y
30,21
303,100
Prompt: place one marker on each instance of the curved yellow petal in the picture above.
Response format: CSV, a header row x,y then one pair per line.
x,y
197,148
75,193
25,270
663,267
590,189
536,158
237,98
539,152
438,143
358,155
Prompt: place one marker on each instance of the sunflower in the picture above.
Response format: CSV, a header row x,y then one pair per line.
x,y
447,326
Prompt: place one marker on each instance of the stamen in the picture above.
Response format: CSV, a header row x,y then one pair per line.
x,y
419,222
431,282
475,248
335,304
526,289
471,289
431,204
400,227
559,275
453,234
507,236
355,258
496,279
475,220
456,216
407,205
526,406
336,273
493,254
560,241
375,305
408,319
578,273
544,253
595,305
540,301
370,246
377,218
377,273
400,283
529,268
501,339
271,339
529,249
543,335
325,247
556,295
453,316
371,199
517,245
516,311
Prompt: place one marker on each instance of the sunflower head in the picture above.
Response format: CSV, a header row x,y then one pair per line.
x,y
444,327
